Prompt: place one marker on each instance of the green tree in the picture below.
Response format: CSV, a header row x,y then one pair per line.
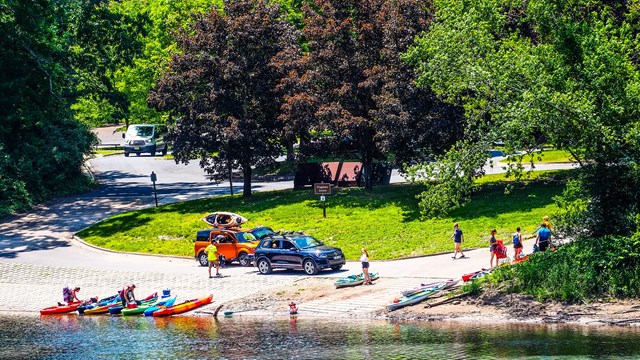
x,y
542,71
351,83
42,148
222,86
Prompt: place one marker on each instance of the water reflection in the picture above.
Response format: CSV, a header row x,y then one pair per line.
x,y
71,336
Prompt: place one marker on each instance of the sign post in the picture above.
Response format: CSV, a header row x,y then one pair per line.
x,y
154,178
322,189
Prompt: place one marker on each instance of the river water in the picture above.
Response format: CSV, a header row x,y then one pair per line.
x,y
185,337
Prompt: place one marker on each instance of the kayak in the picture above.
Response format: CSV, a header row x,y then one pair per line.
x,y
184,307
152,309
101,302
222,219
144,307
61,309
415,298
354,280
103,309
447,284
476,274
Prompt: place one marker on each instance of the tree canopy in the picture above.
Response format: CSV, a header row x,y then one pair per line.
x,y
352,83
558,72
222,86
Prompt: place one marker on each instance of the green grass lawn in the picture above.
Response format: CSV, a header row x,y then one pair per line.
x,y
545,156
385,220
105,152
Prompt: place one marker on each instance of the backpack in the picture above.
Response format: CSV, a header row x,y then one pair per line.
x,y
66,293
516,239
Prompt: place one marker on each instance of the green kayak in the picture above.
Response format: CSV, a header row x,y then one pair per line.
x,y
140,309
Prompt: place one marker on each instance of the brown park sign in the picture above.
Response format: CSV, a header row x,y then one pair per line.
x,y
322,189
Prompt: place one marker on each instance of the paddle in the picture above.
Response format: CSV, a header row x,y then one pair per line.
x,y
227,313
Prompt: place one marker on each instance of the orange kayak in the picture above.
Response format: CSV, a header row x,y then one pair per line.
x,y
184,307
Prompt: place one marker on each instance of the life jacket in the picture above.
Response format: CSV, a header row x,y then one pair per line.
x,y
516,239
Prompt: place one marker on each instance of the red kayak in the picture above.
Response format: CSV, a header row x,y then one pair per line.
x,y
73,306
184,307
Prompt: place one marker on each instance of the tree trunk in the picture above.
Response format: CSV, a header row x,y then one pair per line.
x,y
367,172
246,189
291,156
230,177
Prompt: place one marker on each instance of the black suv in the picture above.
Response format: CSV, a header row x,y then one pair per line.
x,y
296,252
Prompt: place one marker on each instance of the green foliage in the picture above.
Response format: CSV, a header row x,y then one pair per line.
x,y
582,270
546,71
449,179
42,149
386,220
223,86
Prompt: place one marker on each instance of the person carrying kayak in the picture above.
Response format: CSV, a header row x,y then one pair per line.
x,y
542,238
493,245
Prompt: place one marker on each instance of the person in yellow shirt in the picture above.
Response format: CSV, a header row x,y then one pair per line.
x,y
212,255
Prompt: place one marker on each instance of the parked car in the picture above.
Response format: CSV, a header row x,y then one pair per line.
x,y
298,251
238,245
143,138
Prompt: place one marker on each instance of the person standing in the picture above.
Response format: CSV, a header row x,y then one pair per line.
x,y
364,259
517,243
212,256
542,238
458,238
546,221
493,245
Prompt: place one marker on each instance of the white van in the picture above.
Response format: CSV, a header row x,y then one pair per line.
x,y
145,138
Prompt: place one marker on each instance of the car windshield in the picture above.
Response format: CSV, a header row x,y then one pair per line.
x,y
245,237
262,232
307,242
142,131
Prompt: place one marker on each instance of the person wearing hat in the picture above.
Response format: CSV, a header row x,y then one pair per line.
x,y
546,221
212,255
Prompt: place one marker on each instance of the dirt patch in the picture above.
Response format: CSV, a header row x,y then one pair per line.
x,y
487,307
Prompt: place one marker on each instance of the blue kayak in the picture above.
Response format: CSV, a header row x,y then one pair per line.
x,y
161,304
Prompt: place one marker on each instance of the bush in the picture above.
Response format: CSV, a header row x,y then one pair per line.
x,y
582,270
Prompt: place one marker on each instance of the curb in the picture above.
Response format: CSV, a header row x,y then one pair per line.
x,y
79,240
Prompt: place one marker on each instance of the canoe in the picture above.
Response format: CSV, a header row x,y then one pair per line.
x,y
222,219
144,307
354,280
61,309
184,307
447,284
415,298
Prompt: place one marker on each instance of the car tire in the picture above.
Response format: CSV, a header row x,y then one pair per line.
x,y
243,259
264,266
126,154
310,267
203,259
336,268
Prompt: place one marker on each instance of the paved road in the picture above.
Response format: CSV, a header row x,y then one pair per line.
x,y
37,251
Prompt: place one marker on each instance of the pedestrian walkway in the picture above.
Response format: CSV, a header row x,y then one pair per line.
x,y
28,287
